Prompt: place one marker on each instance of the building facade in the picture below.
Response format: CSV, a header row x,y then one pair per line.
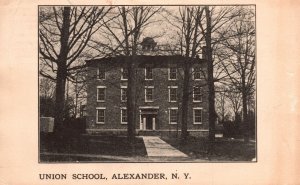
x,y
159,81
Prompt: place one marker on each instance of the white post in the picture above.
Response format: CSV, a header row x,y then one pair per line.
x,y
144,123
141,121
153,123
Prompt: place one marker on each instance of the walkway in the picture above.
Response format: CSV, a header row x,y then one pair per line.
x,y
158,148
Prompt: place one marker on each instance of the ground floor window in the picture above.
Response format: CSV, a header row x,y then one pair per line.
x,y
197,115
123,116
173,115
100,115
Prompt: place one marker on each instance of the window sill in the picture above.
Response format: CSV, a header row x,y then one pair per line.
x,y
123,123
100,123
172,79
149,101
196,101
172,101
197,123
102,101
173,123
148,79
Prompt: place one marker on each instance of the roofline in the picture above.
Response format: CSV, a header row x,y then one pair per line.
x,y
144,56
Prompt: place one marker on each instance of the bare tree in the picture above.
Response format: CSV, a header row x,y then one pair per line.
x,y
64,33
221,103
200,26
47,87
240,57
123,37
234,98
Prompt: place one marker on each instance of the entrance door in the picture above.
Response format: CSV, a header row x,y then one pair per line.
x,y
149,122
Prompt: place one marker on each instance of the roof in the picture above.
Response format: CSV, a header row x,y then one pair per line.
x,y
146,59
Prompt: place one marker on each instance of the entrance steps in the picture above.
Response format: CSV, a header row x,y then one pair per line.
x,y
148,133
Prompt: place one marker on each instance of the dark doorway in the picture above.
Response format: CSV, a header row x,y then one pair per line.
x,y
149,122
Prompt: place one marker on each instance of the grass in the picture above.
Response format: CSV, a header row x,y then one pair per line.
x,y
93,145
224,149
116,148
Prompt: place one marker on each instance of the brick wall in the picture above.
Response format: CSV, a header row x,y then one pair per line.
x,y
160,82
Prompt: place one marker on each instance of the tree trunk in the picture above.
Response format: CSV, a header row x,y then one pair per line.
x,y
210,74
245,115
185,102
131,100
62,73
59,101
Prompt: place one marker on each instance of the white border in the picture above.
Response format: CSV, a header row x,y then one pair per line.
x,y
193,76
197,108
172,87
123,79
200,94
98,74
123,108
149,87
169,73
100,108
146,75
101,87
123,87
172,108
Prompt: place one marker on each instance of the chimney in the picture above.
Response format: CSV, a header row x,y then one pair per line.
x,y
204,52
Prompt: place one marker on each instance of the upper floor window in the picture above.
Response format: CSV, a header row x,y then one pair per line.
x,y
197,115
101,73
101,93
172,93
148,73
197,73
149,93
123,93
173,115
124,75
172,73
123,115
100,115
197,94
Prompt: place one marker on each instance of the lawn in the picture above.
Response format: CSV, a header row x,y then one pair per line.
x,y
89,148
225,150
92,145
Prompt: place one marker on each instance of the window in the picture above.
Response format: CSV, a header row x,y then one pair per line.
x,y
123,93
101,93
197,115
100,118
172,93
148,73
173,115
124,75
197,73
123,116
101,73
172,73
197,94
149,93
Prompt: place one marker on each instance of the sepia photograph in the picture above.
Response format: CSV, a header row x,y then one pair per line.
x,y
147,84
